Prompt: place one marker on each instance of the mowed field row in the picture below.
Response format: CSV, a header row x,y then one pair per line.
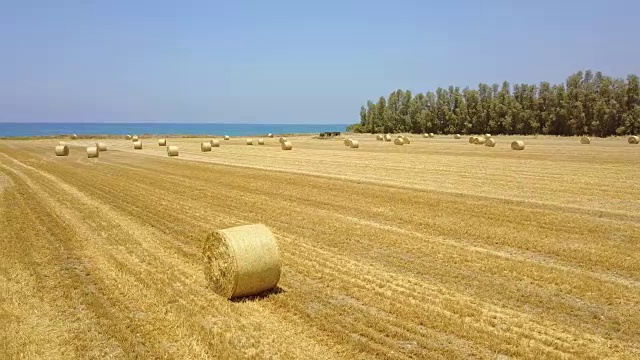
x,y
437,249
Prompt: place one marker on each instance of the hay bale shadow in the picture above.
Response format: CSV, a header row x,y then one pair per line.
x,y
263,295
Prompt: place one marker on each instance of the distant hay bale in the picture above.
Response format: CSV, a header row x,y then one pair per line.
x,y
487,135
241,261
127,137
62,150
347,142
431,135
92,152
226,137
398,141
379,137
172,150
162,142
406,140
215,143
205,146
634,140
286,145
490,142
282,140
249,141
517,145
137,145
585,140
134,138
101,146
354,144
261,141
472,140
270,135
387,137
457,136
73,137
479,140
425,135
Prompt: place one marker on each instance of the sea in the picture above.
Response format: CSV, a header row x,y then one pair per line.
x,y
48,129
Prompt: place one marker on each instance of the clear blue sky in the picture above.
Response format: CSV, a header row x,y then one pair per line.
x,y
287,61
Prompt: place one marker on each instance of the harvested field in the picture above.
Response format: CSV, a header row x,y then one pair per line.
x,y
387,252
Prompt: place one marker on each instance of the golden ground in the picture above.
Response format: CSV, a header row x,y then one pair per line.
x,y
437,249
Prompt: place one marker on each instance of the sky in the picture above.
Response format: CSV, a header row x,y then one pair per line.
x,y
288,61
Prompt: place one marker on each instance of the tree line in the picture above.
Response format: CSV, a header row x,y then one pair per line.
x,y
586,104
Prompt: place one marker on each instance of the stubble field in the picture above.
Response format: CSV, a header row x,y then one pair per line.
x,y
437,249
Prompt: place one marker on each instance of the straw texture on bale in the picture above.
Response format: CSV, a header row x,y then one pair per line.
x,y
282,140
634,140
585,140
379,137
472,140
127,137
398,141
137,145
286,145
205,146
92,152
261,141
387,137
101,146
406,140
270,135
431,135
73,136
490,142
62,150
172,150
134,138
226,137
479,140
241,261
517,145
347,142
456,136
215,143
162,142
354,144
249,141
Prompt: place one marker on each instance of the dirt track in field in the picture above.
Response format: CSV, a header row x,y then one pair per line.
x,y
437,249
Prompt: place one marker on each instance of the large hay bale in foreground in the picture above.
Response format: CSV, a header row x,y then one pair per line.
x,y
241,261
286,145
585,140
127,137
134,138
354,144
215,143
137,145
457,136
517,145
398,141
101,146
73,137
379,137
226,137
162,142
249,141
406,140
62,150
261,141
92,152
387,137
205,146
634,140
490,142
172,150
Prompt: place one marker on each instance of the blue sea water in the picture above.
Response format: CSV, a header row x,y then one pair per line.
x,y
44,129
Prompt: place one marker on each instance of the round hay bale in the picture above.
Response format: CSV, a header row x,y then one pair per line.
x,y
479,140
92,152
282,140
261,141
431,135
127,137
387,137
487,135
215,143
62,150
162,142
101,146
517,145
472,140
73,137
286,145
634,140
354,144
249,141
205,146
457,136
137,145
226,137
406,140
134,138
347,142
379,137
425,135
585,140
398,141
241,261
490,142
270,135
172,150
